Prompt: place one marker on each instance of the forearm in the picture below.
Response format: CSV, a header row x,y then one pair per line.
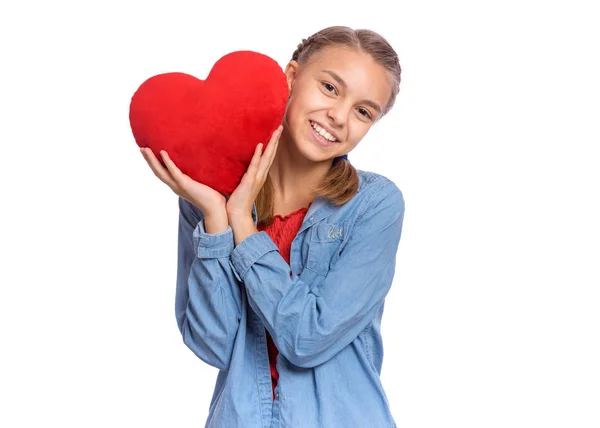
x,y
208,301
209,316
309,325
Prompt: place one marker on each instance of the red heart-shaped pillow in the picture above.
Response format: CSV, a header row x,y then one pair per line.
x,y
211,127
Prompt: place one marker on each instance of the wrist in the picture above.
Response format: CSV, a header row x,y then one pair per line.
x,y
215,219
242,226
216,222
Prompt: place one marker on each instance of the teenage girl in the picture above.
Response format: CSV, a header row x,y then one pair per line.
x,y
281,286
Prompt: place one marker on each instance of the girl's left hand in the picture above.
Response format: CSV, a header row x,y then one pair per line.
x,y
241,201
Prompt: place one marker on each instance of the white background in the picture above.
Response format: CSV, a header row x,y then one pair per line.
x,y
493,319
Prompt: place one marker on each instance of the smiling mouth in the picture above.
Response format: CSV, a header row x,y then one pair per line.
x,y
323,133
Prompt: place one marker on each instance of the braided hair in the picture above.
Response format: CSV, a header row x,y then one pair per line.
x,y
302,47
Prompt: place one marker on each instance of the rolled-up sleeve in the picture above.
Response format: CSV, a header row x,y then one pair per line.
x,y
212,246
247,253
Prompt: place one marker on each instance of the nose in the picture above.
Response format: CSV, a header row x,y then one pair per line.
x,y
338,113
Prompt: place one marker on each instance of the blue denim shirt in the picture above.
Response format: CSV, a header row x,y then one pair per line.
x,y
323,312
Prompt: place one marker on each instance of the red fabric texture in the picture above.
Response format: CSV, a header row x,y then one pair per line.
x,y
211,127
282,231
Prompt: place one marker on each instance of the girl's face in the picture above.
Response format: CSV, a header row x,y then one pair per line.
x,y
335,97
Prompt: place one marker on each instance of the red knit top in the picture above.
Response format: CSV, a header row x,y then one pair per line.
x,y
282,231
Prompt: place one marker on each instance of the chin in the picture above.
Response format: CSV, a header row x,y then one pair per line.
x,y
316,155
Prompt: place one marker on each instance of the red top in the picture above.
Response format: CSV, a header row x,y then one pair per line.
x,y
282,231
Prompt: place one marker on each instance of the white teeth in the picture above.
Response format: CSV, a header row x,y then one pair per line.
x,y
323,132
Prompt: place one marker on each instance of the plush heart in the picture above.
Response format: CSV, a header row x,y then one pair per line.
x,y
211,127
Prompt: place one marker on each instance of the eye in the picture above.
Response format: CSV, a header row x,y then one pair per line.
x,y
329,87
365,113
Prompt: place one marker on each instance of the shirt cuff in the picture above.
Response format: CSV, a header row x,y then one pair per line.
x,y
212,246
250,250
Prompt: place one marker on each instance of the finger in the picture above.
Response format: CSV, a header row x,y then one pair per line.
x,y
255,159
176,173
272,155
159,170
271,150
275,139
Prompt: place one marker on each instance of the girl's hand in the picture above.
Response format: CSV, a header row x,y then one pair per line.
x,y
239,204
208,200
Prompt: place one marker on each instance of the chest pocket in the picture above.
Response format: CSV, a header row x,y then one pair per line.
x,y
324,245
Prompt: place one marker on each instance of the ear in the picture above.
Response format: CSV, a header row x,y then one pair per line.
x,y
291,71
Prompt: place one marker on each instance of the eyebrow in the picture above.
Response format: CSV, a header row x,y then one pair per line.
x,y
337,78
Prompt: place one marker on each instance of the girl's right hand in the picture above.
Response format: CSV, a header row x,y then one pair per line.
x,y
208,200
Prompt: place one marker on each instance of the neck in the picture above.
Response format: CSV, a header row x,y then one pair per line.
x,y
294,177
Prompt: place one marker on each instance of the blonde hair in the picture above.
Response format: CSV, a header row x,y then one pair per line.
x,y
341,182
